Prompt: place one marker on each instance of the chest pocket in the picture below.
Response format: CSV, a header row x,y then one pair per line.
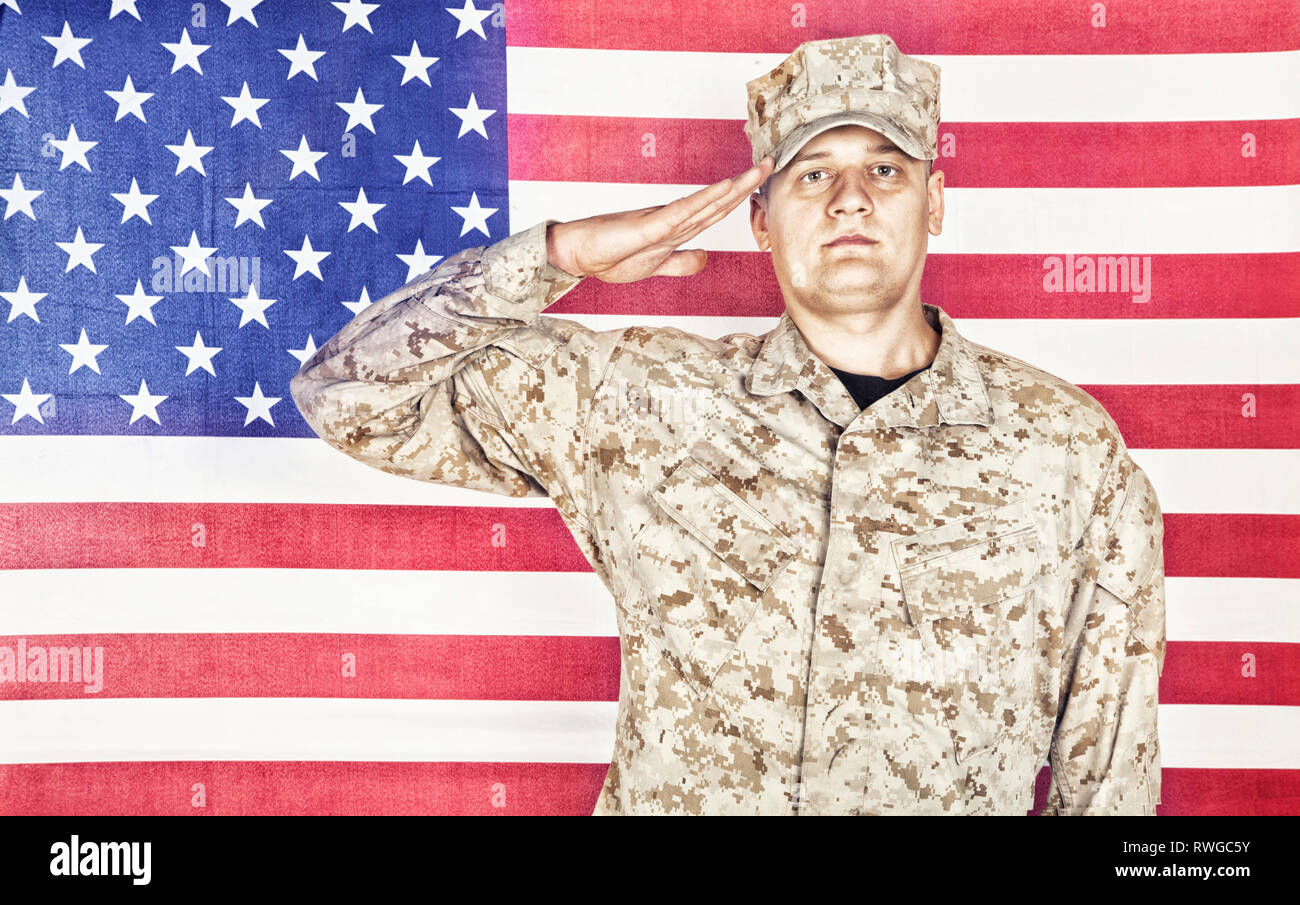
x,y
971,590
705,559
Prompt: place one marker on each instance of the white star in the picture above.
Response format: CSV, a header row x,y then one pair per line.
x,y
12,94
417,165
242,9
357,13
307,259
249,208
475,217
12,4
18,198
415,66
362,211
138,304
253,308
359,112
83,352
417,262
246,107
186,52
199,355
195,255
143,403
189,156
258,406
363,302
304,353
470,18
26,403
129,101
73,149
302,60
80,252
68,46
471,117
23,301
135,203
126,6
304,159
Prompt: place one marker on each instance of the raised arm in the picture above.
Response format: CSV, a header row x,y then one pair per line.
x,y
456,378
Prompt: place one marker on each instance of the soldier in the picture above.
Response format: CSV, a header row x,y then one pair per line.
x,y
872,567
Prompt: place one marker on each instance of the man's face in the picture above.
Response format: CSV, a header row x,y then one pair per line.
x,y
849,179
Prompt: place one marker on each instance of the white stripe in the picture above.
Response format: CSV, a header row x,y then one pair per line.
x,y
1233,610
52,469
375,729
1084,351
1229,736
1036,221
1170,87
65,469
180,729
351,601
400,602
1259,481
1148,351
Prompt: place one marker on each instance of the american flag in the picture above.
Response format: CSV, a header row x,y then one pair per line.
x,y
205,610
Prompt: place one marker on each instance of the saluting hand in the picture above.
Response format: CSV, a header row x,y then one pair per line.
x,y
632,245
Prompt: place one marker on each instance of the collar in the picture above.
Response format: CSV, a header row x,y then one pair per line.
x,y
950,391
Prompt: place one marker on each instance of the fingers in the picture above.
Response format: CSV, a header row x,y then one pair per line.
x,y
681,219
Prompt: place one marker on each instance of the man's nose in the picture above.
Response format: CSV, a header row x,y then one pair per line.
x,y
852,195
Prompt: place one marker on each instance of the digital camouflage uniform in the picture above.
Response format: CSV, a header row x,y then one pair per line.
x,y
904,609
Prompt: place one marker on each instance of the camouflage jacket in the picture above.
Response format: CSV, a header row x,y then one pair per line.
x,y
905,609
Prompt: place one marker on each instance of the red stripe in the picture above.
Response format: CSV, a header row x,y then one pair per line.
x,y
309,665
1188,792
1221,416
1232,545
1234,792
674,151
976,286
157,535
502,668
917,26
285,536
299,787
1203,672
321,788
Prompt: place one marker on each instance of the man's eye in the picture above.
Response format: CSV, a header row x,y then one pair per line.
x,y
888,166
810,172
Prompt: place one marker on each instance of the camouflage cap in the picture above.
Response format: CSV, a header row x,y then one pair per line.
x,y
824,84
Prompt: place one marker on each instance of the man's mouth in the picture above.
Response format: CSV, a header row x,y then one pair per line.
x,y
852,240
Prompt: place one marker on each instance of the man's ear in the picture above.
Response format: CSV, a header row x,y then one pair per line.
x,y
758,221
934,195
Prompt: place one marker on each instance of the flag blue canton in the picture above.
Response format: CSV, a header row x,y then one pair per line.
x,y
168,168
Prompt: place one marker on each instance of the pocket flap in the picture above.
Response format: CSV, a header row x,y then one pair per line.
x,y
948,570
916,549
732,529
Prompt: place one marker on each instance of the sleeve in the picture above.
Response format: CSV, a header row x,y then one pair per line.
x,y
1105,752
456,378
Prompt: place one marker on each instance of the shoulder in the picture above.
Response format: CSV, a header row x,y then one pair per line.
x,y
654,344
1026,396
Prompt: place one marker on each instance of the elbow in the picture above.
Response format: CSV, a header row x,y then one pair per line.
x,y
305,392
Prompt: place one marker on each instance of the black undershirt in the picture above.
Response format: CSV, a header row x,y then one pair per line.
x,y
867,388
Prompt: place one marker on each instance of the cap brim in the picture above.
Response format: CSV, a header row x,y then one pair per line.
x,y
791,144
